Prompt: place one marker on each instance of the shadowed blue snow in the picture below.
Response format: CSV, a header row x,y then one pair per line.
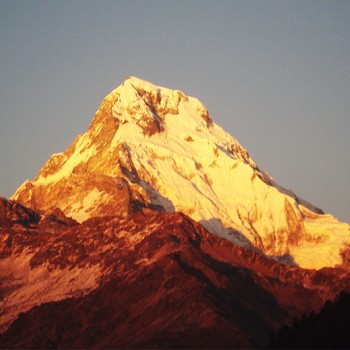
x,y
274,74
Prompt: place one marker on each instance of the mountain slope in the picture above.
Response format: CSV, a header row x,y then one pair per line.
x,y
149,280
152,147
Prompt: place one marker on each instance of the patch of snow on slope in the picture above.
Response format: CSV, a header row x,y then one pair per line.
x,y
83,151
80,210
34,286
326,233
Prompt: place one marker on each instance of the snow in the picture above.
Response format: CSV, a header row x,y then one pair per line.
x,y
80,210
202,179
198,168
82,152
34,286
330,234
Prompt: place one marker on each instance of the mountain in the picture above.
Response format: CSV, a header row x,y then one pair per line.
x,y
156,148
156,229
148,280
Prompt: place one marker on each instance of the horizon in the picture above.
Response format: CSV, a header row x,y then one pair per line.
x,y
274,75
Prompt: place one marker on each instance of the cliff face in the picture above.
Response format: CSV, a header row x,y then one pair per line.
x,y
147,280
152,147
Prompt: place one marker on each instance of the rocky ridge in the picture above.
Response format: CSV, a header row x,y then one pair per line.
x,y
147,280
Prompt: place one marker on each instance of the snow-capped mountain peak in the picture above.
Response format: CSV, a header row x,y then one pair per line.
x,y
148,106
153,147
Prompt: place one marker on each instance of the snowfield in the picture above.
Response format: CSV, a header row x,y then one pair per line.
x,y
157,146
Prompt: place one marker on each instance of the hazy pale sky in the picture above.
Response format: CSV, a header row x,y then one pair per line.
x,y
274,74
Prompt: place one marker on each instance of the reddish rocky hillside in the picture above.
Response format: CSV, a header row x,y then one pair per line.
x,y
147,280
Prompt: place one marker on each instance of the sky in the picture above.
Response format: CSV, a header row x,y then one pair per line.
x,y
274,74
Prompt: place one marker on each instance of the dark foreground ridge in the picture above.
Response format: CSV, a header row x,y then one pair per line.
x,y
328,329
163,282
